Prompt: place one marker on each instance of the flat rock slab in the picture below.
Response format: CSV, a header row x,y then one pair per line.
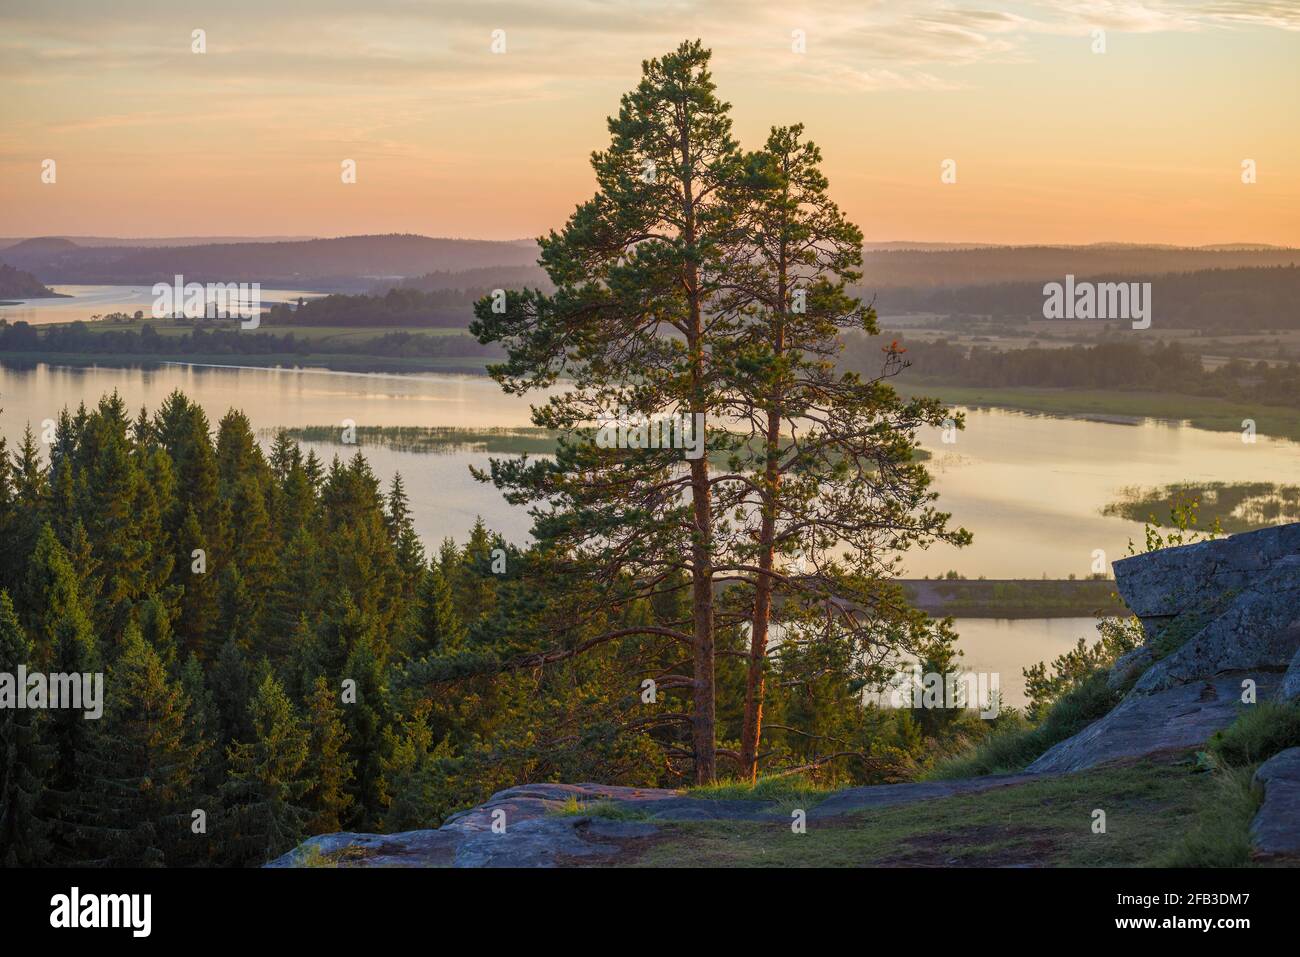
x,y
1180,717
1275,832
514,805
550,842
530,833
349,849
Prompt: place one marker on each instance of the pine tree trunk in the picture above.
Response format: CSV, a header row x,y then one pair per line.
x,y
752,727
704,707
704,717
754,678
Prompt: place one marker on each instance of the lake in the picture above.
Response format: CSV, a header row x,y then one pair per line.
x,y
1030,488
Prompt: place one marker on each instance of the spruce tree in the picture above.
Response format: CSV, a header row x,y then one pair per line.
x,y
441,630
366,719
414,789
25,757
329,768
143,778
264,791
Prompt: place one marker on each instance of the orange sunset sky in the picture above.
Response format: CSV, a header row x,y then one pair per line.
x,y
1054,143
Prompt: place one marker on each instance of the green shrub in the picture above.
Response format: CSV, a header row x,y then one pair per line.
x,y
1016,746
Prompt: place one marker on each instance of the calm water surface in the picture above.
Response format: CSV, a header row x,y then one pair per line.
x,y
88,301
1030,488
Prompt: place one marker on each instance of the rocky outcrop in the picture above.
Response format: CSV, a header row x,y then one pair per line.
x,y
1222,620
1180,717
519,827
1129,667
544,825
1229,605
1290,690
1159,586
1275,832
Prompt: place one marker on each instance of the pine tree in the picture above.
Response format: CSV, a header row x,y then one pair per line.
x,y
848,491
640,272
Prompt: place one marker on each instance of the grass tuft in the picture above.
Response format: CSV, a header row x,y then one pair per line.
x,y
1220,834
1258,733
803,792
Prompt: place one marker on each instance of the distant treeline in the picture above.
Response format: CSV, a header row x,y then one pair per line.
x,y
480,281
1215,300
79,339
444,308
1111,365
1223,301
913,268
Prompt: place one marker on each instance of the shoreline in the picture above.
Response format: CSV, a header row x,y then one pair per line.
x,y
1088,405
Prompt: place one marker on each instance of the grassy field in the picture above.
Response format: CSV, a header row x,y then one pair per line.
x,y
433,439
173,328
1217,415
1149,807
312,360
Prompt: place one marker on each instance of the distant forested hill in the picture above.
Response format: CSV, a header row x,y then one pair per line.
x,y
374,263
480,280
358,260
909,267
1221,300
